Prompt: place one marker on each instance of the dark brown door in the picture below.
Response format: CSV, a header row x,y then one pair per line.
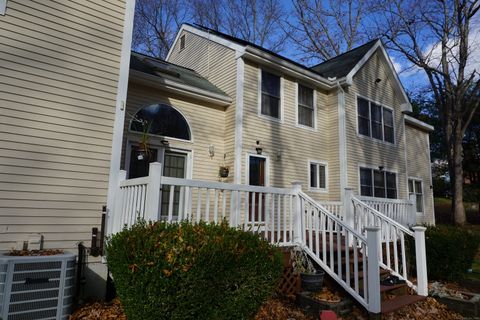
x,y
256,177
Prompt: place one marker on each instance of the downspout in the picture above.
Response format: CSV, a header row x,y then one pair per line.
x,y
342,136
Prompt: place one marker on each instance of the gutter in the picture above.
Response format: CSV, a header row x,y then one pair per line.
x,y
286,67
180,88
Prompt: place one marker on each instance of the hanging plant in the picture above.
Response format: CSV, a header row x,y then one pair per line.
x,y
143,146
224,169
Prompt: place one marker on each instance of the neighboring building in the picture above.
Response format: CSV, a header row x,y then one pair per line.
x,y
341,124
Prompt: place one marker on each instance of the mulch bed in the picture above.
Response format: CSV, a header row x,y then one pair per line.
x,y
100,310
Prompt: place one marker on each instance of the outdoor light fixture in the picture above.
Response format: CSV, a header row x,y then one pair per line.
x,y
278,155
380,168
165,142
258,148
378,80
211,150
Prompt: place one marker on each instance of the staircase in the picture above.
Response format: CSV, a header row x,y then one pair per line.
x,y
355,243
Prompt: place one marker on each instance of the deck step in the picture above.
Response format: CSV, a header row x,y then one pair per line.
x,y
400,302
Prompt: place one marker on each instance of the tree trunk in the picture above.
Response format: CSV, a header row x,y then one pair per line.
x,y
457,184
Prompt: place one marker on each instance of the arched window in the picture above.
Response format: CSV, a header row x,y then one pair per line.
x,y
162,120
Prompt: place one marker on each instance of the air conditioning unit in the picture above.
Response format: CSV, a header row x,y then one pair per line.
x,y
36,287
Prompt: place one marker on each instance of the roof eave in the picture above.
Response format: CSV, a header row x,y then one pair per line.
x,y
266,59
180,88
418,123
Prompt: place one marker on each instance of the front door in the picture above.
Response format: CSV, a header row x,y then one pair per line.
x,y
174,165
257,177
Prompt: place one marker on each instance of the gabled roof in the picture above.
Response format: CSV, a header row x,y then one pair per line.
x,y
172,72
341,65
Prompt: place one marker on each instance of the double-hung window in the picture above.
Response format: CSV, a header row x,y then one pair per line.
x,y
318,176
270,91
306,108
378,183
415,187
375,121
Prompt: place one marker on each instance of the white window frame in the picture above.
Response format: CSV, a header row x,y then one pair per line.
x,y
297,124
369,137
415,179
385,169
247,167
3,7
318,163
259,96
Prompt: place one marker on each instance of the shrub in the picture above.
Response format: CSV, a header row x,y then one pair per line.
x,y
192,271
450,252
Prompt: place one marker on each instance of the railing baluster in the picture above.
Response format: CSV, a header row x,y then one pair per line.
x,y
279,208
199,205
245,210
272,218
365,271
170,203
347,258
387,236
330,238
253,210
317,233
339,252
181,204
355,266
207,205
261,217
324,237
190,204
285,240
224,203
290,230
404,262
215,207
395,249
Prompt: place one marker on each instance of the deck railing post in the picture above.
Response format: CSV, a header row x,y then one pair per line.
x,y
373,266
413,209
297,214
349,211
421,259
113,218
152,200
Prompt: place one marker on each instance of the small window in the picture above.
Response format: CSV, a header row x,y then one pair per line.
x,y
415,187
378,183
270,91
3,7
318,176
182,42
375,121
306,109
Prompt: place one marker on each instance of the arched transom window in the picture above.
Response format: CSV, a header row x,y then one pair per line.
x,y
161,120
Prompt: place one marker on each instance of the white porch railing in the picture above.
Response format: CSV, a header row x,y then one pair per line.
x,y
402,211
350,240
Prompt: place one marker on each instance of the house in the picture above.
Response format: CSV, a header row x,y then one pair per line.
x,y
343,123
63,81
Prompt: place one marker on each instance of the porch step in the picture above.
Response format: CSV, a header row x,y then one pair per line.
x,y
399,302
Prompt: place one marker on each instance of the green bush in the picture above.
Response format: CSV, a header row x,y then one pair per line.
x,y
192,271
450,251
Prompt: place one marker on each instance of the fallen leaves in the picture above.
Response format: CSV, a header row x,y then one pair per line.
x,y
25,253
275,309
428,309
100,311
327,295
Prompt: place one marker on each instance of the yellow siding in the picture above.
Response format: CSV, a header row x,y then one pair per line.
x,y
296,145
363,150
59,70
216,63
418,152
207,126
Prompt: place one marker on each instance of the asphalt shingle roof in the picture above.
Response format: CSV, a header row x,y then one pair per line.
x,y
342,64
170,71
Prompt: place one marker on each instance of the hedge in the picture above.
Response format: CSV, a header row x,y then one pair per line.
x,y
450,252
191,271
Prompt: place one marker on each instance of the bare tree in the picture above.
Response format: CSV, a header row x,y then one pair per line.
x,y
156,25
256,21
322,29
436,37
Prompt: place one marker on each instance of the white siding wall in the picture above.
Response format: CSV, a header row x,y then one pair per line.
x,y
59,65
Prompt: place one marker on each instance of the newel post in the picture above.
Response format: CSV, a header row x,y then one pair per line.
x,y
152,200
413,209
297,214
421,258
373,266
114,216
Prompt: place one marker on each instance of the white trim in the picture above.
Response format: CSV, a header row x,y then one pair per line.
x,y
206,35
418,123
314,101
419,213
3,7
320,163
373,167
267,167
431,179
342,134
237,167
398,84
160,136
119,120
371,138
176,87
259,97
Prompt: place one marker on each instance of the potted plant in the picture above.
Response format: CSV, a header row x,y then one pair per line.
x,y
311,278
143,148
223,171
